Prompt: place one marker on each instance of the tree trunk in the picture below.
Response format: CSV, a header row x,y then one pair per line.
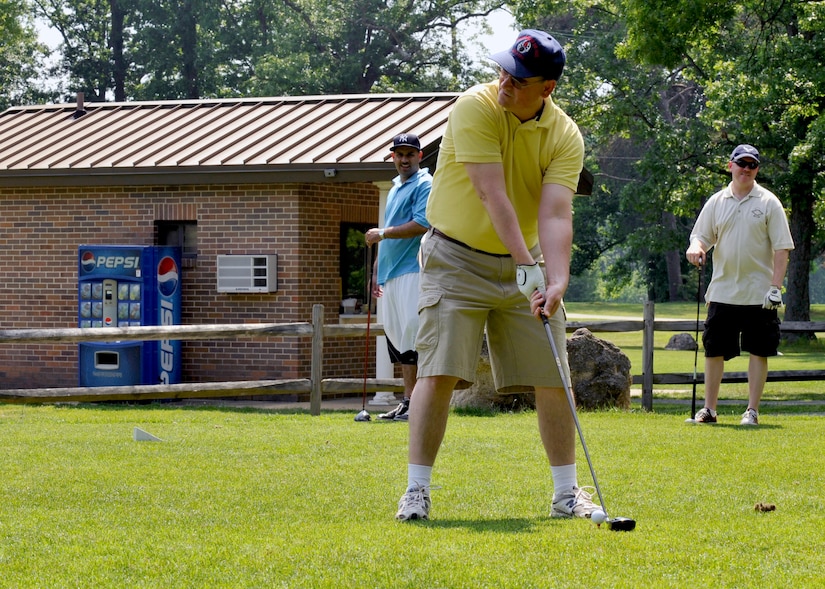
x,y
674,274
119,67
673,260
797,298
189,49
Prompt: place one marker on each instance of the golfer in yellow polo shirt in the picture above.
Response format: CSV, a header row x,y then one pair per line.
x,y
501,200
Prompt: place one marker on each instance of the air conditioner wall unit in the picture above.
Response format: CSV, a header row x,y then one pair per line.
x,y
248,273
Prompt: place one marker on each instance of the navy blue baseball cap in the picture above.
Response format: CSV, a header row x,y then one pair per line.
x,y
406,140
535,53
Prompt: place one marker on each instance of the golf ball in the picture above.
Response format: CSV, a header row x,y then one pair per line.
x,y
598,517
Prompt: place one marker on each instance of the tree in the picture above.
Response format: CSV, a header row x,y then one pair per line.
x,y
87,28
366,45
21,55
173,49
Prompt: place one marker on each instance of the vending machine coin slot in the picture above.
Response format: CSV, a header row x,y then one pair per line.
x,y
109,303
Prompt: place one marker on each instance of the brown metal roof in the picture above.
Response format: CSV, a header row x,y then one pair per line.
x,y
341,138
244,140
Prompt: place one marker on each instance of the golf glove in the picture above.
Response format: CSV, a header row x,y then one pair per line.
x,y
529,279
773,300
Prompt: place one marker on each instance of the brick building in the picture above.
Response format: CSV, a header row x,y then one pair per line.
x,y
282,176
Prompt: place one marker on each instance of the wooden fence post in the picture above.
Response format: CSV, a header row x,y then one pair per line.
x,y
647,357
317,362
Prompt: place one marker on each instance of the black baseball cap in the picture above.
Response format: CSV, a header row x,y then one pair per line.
x,y
535,53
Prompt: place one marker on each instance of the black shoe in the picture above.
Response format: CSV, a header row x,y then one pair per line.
x,y
704,416
396,413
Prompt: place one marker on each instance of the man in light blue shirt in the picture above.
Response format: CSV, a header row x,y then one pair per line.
x,y
395,273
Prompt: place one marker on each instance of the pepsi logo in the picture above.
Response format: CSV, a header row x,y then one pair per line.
x,y
87,261
168,276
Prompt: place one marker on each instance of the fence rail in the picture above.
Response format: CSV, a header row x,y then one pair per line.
x,y
316,385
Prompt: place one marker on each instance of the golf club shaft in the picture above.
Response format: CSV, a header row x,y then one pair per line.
x,y
572,402
696,352
368,269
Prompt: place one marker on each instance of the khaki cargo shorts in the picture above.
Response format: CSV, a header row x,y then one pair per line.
x,y
464,293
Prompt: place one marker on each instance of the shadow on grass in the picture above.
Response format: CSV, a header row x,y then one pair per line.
x,y
503,525
717,425
731,408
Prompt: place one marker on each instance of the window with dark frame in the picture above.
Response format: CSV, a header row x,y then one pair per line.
x,y
179,233
353,261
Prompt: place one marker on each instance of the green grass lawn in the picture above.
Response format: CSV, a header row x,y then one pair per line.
x,y
242,498
251,498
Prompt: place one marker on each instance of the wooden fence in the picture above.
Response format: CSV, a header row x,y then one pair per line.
x,y
316,386
648,325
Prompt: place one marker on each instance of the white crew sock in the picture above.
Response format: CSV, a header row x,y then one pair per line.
x,y
418,476
564,478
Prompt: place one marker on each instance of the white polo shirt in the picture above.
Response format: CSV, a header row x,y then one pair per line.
x,y
744,235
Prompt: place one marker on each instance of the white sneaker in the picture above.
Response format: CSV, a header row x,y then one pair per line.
x,y
574,503
750,417
414,504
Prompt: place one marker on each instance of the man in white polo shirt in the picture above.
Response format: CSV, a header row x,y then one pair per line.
x,y
746,226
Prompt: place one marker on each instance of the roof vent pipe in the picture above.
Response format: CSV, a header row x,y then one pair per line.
x,y
79,111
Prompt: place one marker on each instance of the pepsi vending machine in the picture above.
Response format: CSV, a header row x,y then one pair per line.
x,y
122,286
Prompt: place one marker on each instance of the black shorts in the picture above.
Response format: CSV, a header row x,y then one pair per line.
x,y
410,357
727,325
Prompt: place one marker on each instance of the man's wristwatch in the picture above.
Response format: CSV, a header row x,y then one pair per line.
x,y
381,233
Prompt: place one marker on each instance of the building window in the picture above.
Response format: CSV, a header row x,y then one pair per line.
x,y
354,277
179,233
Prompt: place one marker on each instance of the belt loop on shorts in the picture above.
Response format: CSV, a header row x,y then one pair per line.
x,y
465,246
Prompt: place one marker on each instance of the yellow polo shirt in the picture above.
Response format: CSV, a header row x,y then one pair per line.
x,y
545,151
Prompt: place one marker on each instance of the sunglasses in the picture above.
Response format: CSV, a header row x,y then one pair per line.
x,y
748,165
518,83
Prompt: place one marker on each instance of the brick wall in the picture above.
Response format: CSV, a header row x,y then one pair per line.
x,y
41,228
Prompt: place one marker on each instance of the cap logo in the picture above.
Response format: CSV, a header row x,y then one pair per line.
x,y
524,45
402,138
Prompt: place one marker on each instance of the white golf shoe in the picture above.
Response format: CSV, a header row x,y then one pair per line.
x,y
574,503
414,504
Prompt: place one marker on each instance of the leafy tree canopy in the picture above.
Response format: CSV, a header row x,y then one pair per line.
x,y
172,49
21,55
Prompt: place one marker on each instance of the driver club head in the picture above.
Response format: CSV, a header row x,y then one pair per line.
x,y
362,416
621,524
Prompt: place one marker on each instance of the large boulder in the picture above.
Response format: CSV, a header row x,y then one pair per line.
x,y
600,372
682,341
482,393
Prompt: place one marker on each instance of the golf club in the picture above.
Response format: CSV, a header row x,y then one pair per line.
x,y
692,418
364,415
616,524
